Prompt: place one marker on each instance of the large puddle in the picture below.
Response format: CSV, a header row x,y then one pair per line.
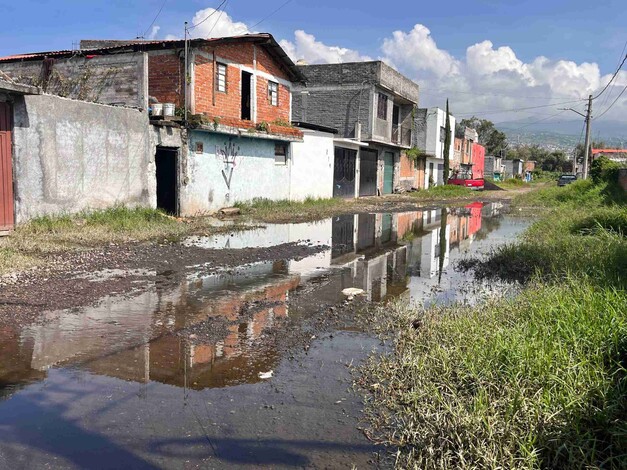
x,y
178,375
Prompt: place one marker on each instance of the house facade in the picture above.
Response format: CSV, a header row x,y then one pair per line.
x,y
237,143
513,168
430,126
493,167
371,105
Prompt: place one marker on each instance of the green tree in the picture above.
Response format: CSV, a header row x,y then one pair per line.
x,y
447,145
490,137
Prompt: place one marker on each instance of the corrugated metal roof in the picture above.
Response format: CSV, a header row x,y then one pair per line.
x,y
265,39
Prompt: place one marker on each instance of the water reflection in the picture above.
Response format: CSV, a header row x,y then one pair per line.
x,y
211,331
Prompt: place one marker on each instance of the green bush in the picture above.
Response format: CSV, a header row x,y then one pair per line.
x,y
604,170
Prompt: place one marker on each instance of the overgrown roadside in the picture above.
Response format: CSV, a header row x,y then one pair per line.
x,y
537,381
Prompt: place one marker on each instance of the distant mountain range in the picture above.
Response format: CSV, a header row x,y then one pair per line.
x,y
563,134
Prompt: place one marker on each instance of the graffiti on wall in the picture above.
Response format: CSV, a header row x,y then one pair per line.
x,y
229,153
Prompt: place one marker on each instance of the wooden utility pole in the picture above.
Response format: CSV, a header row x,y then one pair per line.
x,y
586,151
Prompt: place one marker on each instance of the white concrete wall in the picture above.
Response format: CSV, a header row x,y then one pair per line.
x,y
311,166
436,119
72,155
253,175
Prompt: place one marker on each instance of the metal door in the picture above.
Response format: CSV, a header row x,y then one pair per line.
x,y
6,169
368,173
342,241
344,172
388,172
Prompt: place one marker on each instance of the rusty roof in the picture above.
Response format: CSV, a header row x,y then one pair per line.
x,y
264,39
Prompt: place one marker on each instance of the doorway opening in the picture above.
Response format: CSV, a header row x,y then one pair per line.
x,y
246,95
166,160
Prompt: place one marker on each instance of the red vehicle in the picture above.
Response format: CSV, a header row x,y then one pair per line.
x,y
466,179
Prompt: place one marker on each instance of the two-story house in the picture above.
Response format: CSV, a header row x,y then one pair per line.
x,y
371,105
429,138
231,139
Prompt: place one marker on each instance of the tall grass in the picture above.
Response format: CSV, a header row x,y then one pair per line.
x,y
285,210
535,382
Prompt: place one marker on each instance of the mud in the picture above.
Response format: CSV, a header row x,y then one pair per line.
x,y
75,279
222,352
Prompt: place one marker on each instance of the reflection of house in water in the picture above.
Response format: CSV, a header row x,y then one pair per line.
x,y
208,331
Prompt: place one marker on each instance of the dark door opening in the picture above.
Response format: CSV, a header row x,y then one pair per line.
x,y
246,95
368,173
166,160
344,172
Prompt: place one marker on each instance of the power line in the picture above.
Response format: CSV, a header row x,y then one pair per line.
x,y
264,19
496,111
509,95
218,19
208,16
540,120
155,19
612,79
606,99
613,103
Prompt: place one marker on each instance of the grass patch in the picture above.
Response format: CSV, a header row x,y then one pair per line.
x,y
30,243
537,382
512,183
286,210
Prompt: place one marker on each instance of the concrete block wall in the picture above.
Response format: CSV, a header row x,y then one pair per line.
x,y
398,83
107,79
166,76
72,155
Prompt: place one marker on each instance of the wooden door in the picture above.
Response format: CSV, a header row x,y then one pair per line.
x,y
6,169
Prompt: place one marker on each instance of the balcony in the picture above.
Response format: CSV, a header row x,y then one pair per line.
x,y
401,135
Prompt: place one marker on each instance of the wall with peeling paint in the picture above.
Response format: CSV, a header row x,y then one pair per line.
x,y
73,155
251,172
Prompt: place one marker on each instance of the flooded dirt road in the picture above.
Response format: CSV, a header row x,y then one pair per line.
x,y
246,366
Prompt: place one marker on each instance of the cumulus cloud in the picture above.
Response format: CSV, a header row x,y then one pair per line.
x,y
417,53
306,47
153,32
213,23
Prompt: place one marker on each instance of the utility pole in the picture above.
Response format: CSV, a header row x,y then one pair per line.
x,y
185,92
586,152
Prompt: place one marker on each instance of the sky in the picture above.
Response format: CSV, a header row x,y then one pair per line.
x,y
488,57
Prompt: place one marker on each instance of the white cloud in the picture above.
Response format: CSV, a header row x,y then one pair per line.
x,y
153,32
306,47
212,23
417,53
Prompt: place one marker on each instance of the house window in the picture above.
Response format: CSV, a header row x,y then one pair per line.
x,y
382,107
221,78
442,133
280,154
273,93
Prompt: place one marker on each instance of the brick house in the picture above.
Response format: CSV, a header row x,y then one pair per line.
x,y
371,105
237,142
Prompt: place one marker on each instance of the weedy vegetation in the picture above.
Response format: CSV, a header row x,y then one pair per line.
x,y
534,381
31,242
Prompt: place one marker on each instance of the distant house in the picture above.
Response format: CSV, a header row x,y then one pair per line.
x,y
530,165
238,142
371,105
616,155
513,168
430,125
493,168
469,155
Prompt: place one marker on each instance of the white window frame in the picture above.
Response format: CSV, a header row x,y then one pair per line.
x,y
224,67
283,157
273,93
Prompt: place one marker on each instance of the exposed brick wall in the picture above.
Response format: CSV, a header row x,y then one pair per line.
x,y
265,110
228,105
165,78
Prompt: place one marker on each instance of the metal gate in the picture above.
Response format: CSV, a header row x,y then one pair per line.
x,y
388,172
344,172
6,169
342,231
368,173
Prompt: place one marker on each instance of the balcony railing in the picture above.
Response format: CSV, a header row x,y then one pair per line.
x,y
401,135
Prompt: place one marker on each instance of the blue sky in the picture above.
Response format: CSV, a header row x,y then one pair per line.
x,y
577,30
568,33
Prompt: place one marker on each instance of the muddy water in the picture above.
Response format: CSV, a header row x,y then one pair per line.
x,y
245,368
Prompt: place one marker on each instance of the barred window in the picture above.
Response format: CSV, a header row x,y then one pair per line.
x,y
382,107
221,78
273,93
280,154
